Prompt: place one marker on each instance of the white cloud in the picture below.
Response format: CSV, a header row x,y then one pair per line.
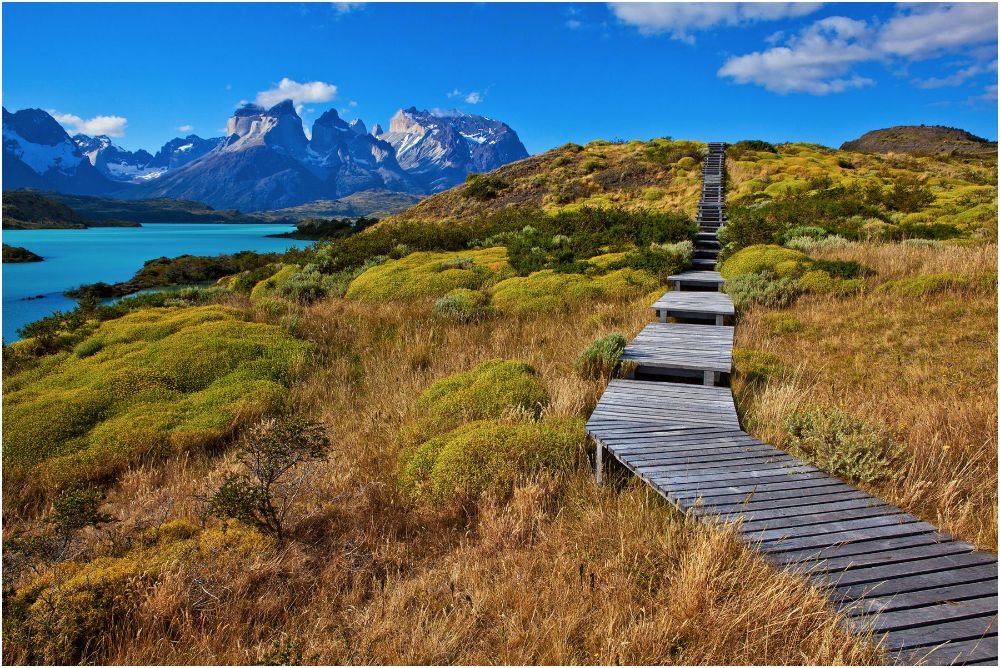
x,y
957,78
287,89
573,24
185,128
475,97
454,93
352,104
112,126
347,7
681,19
923,31
817,60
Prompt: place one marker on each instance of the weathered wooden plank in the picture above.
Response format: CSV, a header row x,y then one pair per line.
x,y
845,536
739,496
899,585
968,651
872,605
696,486
931,614
771,536
796,515
973,628
668,477
891,556
933,564
860,548
807,501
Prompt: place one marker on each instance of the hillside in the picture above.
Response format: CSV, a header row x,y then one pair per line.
x,y
923,140
99,209
663,175
368,203
30,211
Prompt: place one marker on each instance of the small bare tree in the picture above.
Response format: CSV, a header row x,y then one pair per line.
x,y
274,456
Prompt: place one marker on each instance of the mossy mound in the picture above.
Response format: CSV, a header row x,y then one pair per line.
x,y
488,391
545,291
765,258
152,382
488,457
428,274
269,287
549,291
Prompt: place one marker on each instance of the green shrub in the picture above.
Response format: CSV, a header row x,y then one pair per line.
x,y
542,292
809,231
783,323
428,274
753,145
273,456
165,380
811,245
489,457
757,366
765,258
842,268
461,304
841,444
307,285
64,614
489,391
927,284
482,187
600,358
747,290
660,260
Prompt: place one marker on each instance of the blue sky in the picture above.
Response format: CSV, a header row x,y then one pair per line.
x,y
822,72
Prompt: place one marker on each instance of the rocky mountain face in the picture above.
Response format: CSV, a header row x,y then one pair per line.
x,y
115,162
439,149
37,153
922,140
121,165
182,150
266,161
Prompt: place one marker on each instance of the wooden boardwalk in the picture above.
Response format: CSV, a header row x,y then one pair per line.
x,y
930,598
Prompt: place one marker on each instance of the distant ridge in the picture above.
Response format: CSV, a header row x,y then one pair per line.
x,y
922,140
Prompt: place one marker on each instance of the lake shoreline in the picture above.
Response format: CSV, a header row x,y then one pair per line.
x,y
114,255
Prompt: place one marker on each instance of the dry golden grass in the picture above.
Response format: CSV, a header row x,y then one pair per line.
x,y
923,368
561,572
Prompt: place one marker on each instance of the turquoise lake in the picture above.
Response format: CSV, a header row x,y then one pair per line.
x,y
111,254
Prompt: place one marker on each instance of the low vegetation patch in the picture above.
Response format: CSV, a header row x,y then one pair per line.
x,y
928,284
17,254
488,457
600,358
775,276
842,445
462,304
147,384
428,274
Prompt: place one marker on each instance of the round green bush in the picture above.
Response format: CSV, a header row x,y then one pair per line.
x,y
488,457
461,304
765,258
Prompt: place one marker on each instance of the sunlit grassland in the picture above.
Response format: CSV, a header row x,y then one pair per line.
x,y
551,570
913,355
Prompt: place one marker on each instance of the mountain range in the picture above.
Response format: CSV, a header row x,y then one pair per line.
x,y
266,161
